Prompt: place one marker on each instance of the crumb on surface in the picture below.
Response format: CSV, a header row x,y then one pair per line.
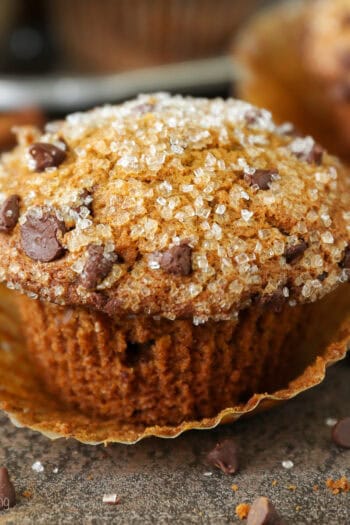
x,y
336,486
242,510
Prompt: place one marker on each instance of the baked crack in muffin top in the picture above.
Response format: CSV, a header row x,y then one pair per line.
x,y
174,207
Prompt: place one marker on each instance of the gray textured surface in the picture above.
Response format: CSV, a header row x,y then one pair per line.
x,y
165,481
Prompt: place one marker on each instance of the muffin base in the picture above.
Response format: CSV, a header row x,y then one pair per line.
x,y
27,403
141,370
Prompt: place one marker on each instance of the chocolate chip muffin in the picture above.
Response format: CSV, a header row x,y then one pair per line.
x,y
164,251
296,63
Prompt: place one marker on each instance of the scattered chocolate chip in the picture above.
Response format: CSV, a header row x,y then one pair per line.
x,y
260,178
224,456
9,213
345,262
322,276
40,237
7,490
341,433
46,155
177,260
274,301
97,266
262,512
293,253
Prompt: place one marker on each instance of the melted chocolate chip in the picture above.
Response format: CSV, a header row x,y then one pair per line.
x,y
7,490
40,237
293,253
177,260
46,155
224,456
262,512
260,178
345,262
97,266
9,213
322,276
341,433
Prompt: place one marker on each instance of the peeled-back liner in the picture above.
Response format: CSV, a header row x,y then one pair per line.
x,y
27,404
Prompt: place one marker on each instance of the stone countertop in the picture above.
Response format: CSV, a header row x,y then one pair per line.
x,y
167,481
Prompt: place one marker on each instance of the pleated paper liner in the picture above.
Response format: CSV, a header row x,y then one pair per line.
x,y
27,404
269,54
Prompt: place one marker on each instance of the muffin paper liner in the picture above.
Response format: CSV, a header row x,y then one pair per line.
x,y
28,404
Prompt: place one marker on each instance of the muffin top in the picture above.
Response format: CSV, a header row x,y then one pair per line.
x,y
174,207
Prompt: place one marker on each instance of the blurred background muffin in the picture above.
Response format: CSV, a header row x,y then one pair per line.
x,y
110,35
295,60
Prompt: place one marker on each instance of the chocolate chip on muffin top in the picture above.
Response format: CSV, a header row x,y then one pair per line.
x,y
208,204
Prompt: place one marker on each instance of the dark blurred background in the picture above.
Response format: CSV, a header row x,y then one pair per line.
x,y
59,56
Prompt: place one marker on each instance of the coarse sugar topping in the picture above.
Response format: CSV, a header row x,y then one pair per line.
x,y
193,207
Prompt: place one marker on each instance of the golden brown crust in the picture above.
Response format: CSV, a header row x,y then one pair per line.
x,y
158,172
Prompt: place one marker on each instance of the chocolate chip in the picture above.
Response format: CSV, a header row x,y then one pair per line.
x,y
274,301
252,116
177,260
341,433
97,266
262,512
260,178
9,213
345,262
314,156
7,490
40,237
143,108
46,155
293,253
322,276
224,456
86,201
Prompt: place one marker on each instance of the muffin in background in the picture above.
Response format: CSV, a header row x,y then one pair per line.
x,y
295,61
168,247
113,35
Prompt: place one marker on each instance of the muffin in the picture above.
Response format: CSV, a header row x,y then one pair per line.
x,y
295,61
113,35
165,250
